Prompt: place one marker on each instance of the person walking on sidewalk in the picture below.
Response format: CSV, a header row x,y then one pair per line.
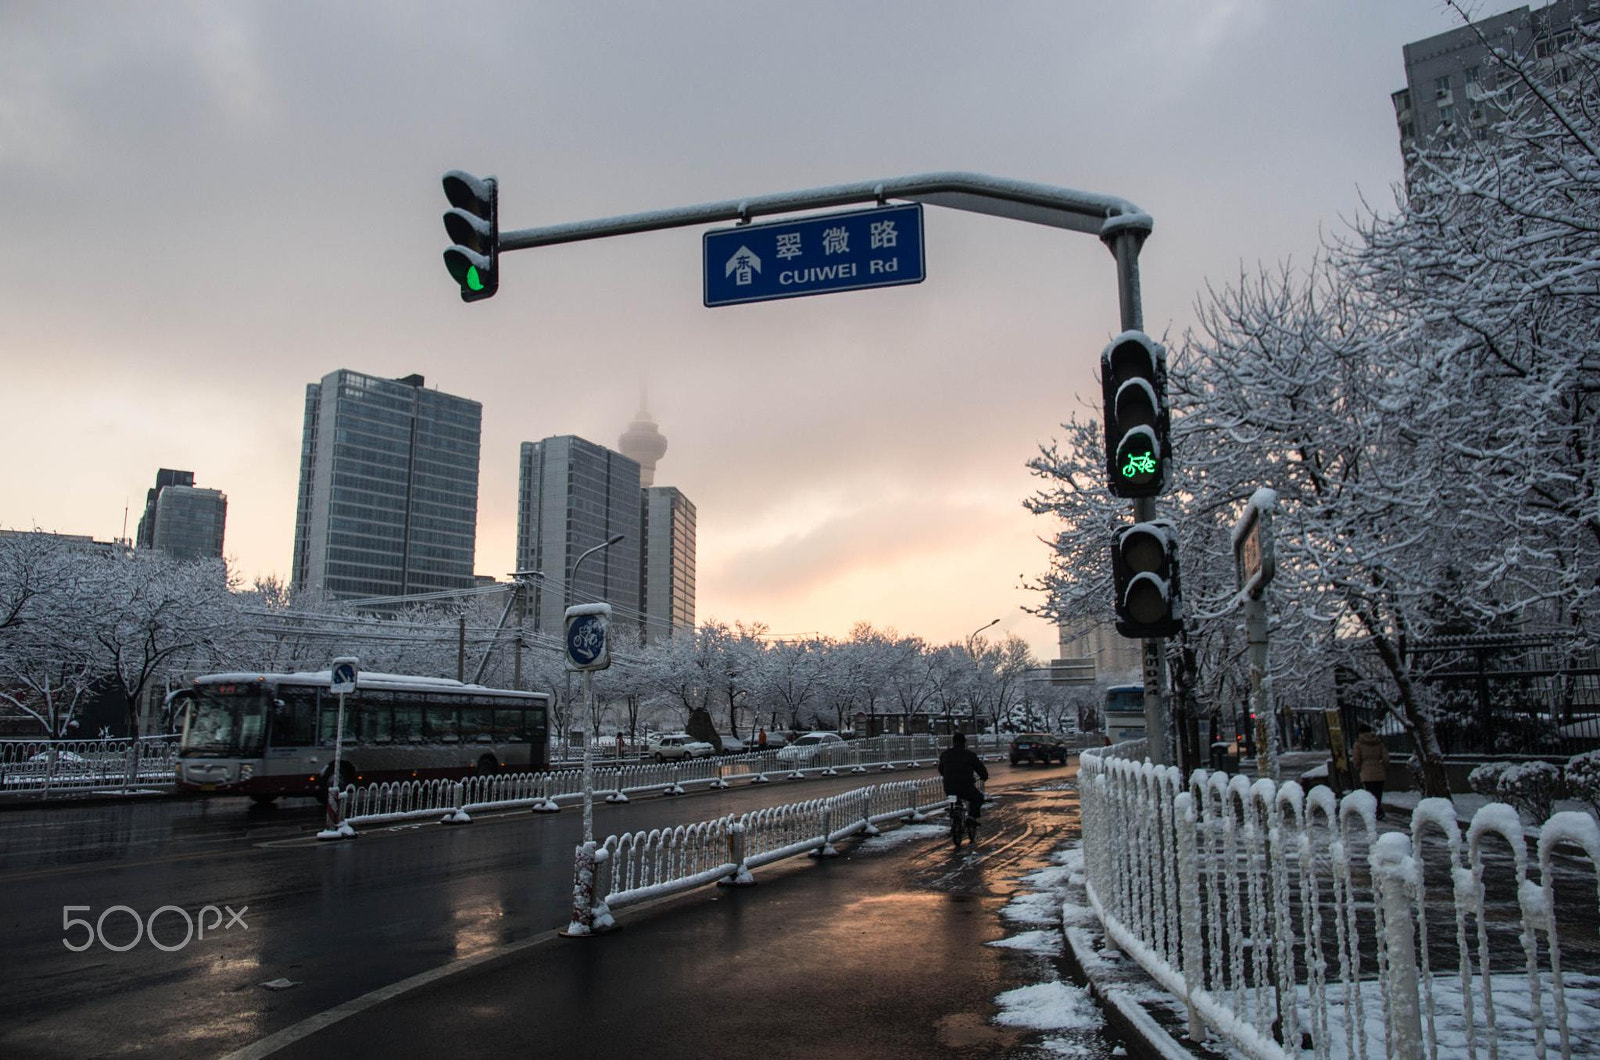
x,y
961,770
1371,760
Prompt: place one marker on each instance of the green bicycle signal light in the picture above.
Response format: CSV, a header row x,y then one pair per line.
x,y
473,225
1133,380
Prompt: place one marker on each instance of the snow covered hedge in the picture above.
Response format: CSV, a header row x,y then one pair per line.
x,y
1485,780
1583,779
1531,787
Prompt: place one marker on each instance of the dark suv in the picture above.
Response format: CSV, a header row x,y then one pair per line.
x,y
1037,747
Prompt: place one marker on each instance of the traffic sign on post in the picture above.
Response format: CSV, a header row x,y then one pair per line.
x,y
344,672
880,247
588,646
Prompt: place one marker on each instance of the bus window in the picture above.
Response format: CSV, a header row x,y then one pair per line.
x,y
408,723
477,724
376,723
294,719
328,721
511,726
536,720
441,724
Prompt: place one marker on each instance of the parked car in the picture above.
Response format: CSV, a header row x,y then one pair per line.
x,y
678,745
806,747
732,745
1038,747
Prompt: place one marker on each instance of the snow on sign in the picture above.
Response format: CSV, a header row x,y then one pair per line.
x,y
878,247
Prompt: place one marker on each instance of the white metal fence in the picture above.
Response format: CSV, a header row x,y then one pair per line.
x,y
1280,916
57,767
456,801
634,867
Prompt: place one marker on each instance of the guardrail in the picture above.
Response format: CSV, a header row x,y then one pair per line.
x,y
456,801
50,767
634,867
1236,895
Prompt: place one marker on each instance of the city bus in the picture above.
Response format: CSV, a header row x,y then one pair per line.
x,y
266,735
1124,710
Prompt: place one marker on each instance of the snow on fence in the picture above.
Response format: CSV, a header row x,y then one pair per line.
x,y
456,801
634,867
1280,916
58,767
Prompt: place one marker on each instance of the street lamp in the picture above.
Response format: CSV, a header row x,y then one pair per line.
x,y
588,690
973,636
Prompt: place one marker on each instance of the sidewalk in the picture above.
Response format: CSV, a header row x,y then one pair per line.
x,y
884,952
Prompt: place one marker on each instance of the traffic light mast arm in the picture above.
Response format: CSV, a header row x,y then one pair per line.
x,y
1019,200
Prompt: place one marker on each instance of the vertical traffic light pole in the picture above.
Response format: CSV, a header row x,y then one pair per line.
x,y
1125,241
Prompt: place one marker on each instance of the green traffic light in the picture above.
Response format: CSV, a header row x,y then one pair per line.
x,y
473,281
1139,464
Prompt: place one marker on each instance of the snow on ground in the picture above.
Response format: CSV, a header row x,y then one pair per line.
x,y
1053,1006
1046,943
904,834
1032,907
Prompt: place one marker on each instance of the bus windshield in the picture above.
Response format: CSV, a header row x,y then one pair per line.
x,y
225,720
1125,700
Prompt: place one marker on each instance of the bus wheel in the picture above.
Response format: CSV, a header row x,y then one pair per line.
x,y
488,764
263,800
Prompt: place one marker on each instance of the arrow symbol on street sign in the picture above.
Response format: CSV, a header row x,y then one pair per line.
x,y
743,260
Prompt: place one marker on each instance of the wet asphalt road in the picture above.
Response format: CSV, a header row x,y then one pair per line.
x,y
337,919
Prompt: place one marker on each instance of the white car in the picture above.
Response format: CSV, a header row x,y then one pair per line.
x,y
806,747
678,745
732,745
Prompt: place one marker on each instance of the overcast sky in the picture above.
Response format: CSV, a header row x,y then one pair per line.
x,y
205,206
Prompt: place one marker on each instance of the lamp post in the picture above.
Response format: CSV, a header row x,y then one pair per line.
x,y
974,635
588,692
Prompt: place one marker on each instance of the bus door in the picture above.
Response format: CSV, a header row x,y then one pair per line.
x,y
291,743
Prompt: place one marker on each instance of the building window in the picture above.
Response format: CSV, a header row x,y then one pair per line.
x,y
1472,75
1447,115
1441,86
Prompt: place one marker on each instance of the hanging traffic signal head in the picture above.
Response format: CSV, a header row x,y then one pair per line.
x,y
473,223
1144,564
1133,380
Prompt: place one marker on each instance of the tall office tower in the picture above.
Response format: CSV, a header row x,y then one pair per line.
x,y
572,496
1114,655
666,563
388,488
644,443
1451,80
145,535
182,520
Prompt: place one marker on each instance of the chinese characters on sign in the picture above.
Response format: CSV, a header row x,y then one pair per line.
x,y
878,247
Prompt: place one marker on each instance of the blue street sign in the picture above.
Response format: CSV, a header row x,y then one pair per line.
x,y
880,247
342,676
587,646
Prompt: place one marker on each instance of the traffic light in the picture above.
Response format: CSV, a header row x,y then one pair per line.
x,y
473,223
1144,564
1133,378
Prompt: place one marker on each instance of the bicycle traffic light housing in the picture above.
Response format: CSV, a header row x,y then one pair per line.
x,y
473,223
1144,564
1133,380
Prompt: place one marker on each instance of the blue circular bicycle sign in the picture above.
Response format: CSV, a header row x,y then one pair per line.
x,y
588,647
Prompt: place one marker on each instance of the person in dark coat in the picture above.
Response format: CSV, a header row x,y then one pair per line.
x,y
1371,763
961,770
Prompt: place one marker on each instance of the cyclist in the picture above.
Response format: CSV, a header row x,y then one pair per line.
x,y
962,770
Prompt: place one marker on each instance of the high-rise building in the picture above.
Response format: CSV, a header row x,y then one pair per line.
x,y
666,562
181,519
572,496
145,535
1453,83
388,500
1114,655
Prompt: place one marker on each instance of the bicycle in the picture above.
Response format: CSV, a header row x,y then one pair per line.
x,y
960,823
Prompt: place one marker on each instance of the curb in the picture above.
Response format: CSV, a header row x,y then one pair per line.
x,y
1138,1031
